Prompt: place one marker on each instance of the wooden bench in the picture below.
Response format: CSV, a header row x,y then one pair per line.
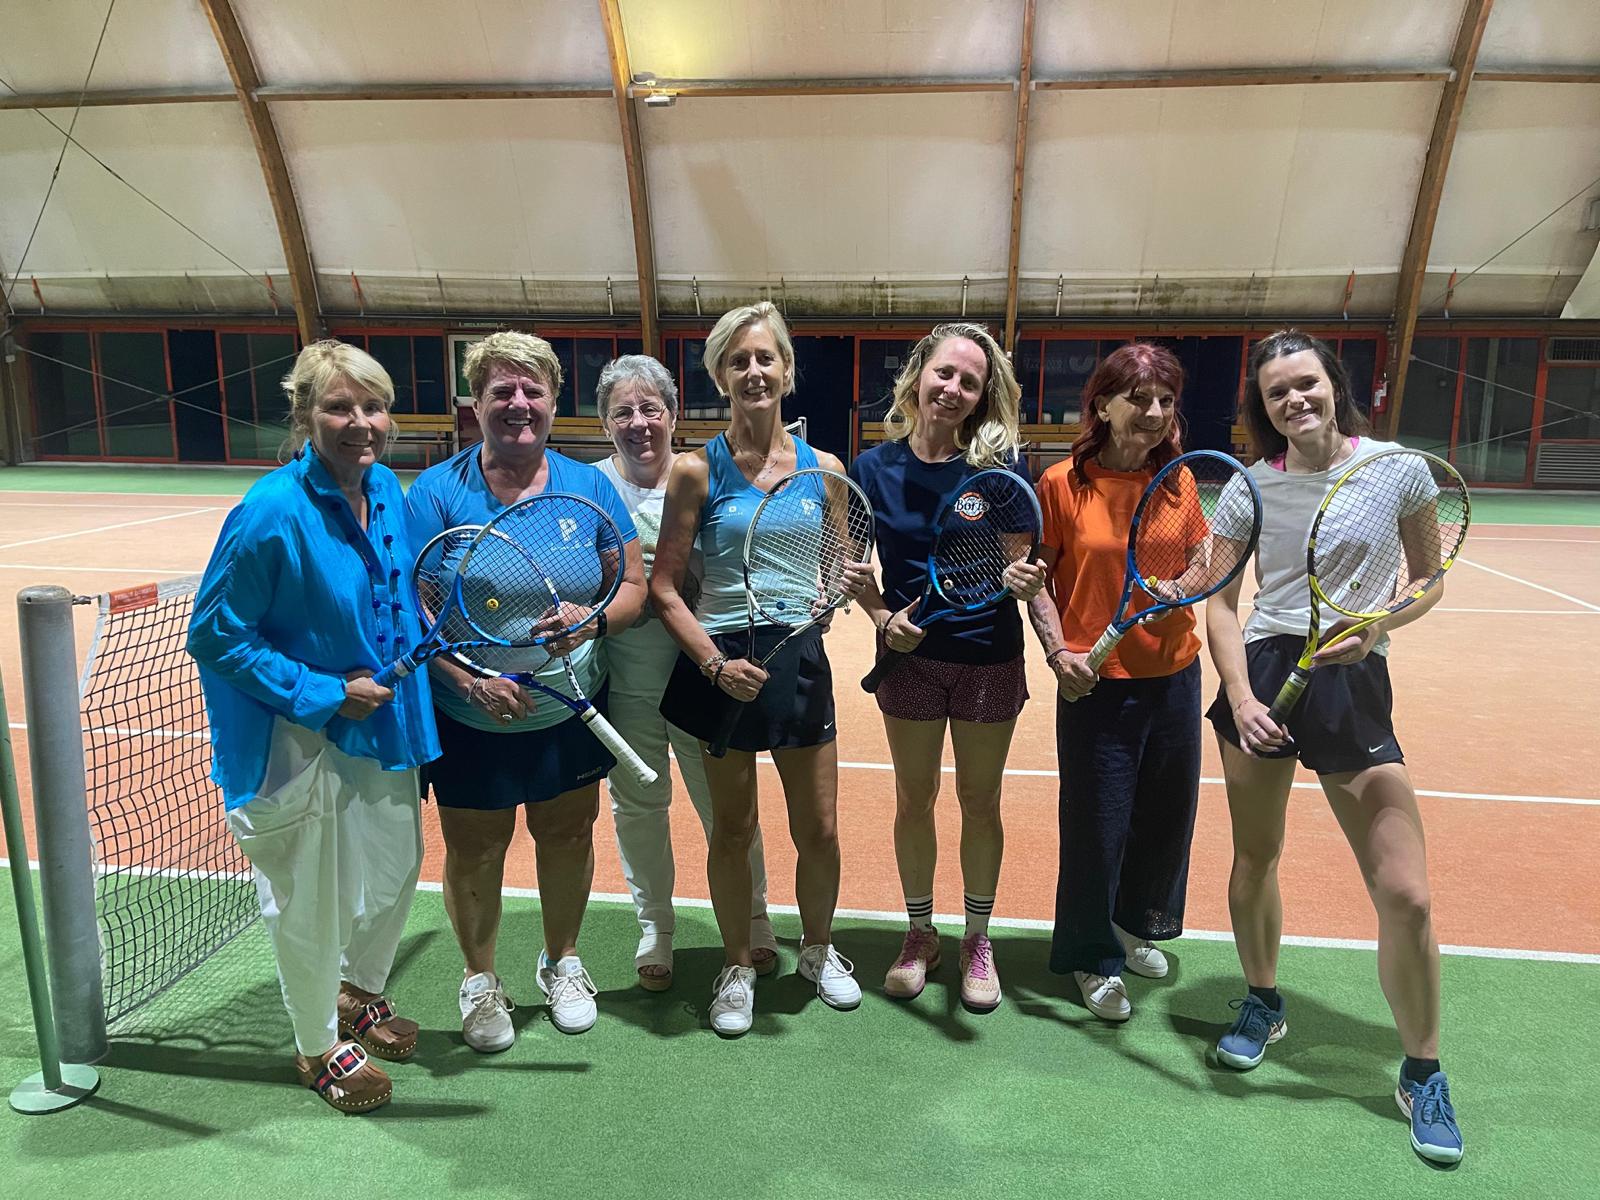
x,y
428,432
1048,443
585,437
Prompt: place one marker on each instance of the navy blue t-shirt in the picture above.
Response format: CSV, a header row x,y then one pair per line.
x,y
906,495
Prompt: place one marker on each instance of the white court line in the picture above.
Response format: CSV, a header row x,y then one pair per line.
x,y
955,919
1525,612
1565,541
56,537
58,567
5,503
1026,773
1018,772
1539,587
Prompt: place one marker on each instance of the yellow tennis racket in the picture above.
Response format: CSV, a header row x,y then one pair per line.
x,y
1384,536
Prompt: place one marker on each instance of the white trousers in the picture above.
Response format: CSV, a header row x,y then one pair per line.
x,y
335,844
644,830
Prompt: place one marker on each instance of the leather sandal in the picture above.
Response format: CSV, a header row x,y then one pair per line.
x,y
374,1025
655,950
346,1080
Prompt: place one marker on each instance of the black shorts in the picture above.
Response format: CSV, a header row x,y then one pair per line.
x,y
794,708
1344,720
492,771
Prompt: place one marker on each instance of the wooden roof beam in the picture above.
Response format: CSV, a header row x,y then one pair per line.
x,y
633,159
1018,163
1234,77
1539,75
274,168
280,93
819,87
1425,214
120,98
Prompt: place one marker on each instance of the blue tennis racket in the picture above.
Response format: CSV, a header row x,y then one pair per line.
x,y
988,523
1194,529
498,597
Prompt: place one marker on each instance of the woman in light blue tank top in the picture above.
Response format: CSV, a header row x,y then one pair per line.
x,y
712,495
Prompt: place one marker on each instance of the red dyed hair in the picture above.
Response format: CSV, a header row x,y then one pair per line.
x,y
1126,369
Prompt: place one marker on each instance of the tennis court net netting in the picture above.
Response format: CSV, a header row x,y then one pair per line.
x,y
172,887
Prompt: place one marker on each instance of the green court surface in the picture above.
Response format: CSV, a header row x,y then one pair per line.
x,y
1037,1098
1491,505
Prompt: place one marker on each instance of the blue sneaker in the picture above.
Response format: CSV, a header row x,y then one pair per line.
x,y
1254,1029
1434,1133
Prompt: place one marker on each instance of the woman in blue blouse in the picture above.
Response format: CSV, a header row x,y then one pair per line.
x,y
305,598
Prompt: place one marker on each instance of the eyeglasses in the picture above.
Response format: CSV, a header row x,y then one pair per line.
x,y
649,410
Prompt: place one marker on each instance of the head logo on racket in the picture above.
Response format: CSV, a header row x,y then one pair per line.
x,y
971,506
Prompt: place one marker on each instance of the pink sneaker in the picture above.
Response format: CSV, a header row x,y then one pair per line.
x,y
918,955
980,981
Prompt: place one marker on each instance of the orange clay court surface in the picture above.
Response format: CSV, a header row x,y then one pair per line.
x,y
1496,708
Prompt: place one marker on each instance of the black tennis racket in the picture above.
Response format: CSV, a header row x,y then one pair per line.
x,y
1192,533
497,599
988,523
1383,537
806,530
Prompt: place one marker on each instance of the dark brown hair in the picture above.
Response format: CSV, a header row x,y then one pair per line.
x,y
1265,440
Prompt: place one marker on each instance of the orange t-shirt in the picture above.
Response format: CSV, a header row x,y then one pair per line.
x,y
1088,529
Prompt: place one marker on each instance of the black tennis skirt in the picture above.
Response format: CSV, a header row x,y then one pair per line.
x,y
794,708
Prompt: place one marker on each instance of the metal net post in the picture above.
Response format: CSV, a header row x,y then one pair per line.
x,y
60,806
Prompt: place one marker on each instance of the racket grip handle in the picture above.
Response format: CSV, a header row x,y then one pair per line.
x,y
880,670
627,758
1288,695
1101,650
393,673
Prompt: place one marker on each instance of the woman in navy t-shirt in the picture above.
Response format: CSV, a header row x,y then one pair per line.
x,y
954,413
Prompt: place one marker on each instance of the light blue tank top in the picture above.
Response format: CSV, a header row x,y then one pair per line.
x,y
731,502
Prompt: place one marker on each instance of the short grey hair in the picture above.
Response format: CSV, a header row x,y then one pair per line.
x,y
640,369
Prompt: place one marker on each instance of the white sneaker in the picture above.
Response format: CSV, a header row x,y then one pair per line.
x,y
733,1001
1106,996
1143,958
486,1014
570,993
830,971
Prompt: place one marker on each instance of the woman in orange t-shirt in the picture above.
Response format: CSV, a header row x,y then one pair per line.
x,y
1128,739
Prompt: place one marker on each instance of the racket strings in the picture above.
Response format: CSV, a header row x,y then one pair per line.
x,y
989,526
541,569
803,536
1196,531
1387,531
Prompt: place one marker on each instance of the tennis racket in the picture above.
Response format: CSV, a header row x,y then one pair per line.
x,y
1193,530
990,521
1384,536
805,531
497,597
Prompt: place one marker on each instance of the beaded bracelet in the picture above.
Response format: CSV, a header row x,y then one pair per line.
x,y
715,663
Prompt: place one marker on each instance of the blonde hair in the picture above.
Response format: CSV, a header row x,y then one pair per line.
x,y
521,350
989,436
317,368
720,339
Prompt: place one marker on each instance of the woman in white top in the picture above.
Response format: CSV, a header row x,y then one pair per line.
x,y
638,405
1306,430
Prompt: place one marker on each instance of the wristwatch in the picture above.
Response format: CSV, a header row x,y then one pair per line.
x,y
600,624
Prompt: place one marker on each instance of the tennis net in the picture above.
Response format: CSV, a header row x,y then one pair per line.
x,y
172,887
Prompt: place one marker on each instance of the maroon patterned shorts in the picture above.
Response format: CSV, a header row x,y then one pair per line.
x,y
920,689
